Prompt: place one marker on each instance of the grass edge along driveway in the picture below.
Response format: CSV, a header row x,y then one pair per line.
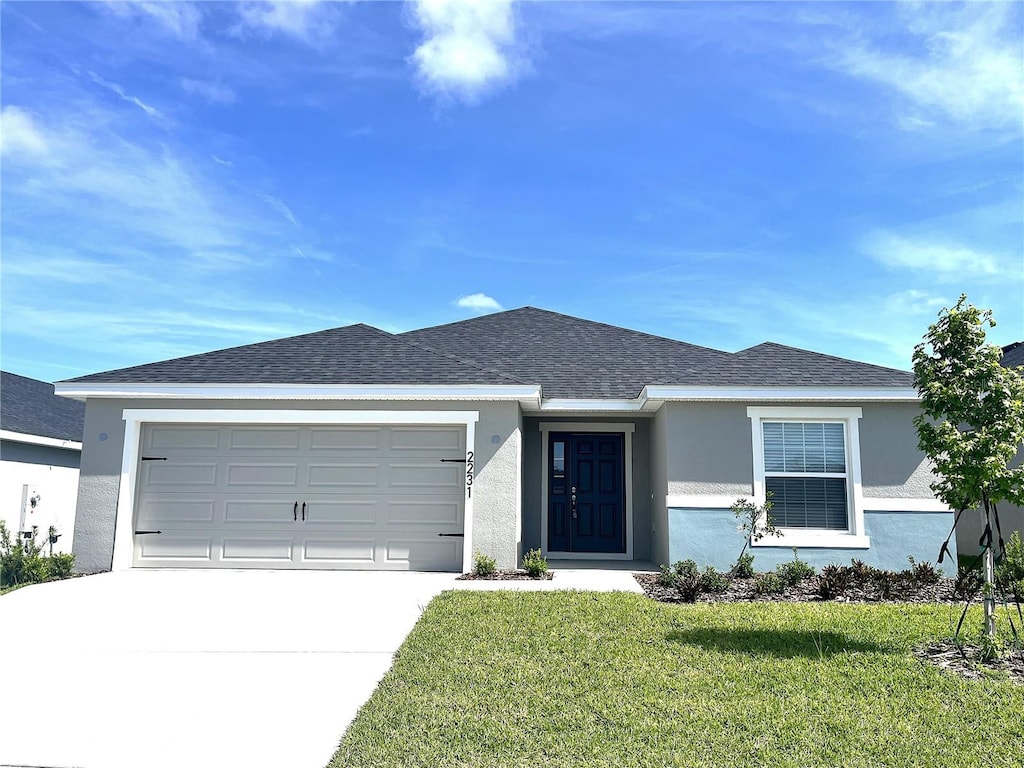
x,y
588,679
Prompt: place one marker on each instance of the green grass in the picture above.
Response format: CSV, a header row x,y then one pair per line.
x,y
586,679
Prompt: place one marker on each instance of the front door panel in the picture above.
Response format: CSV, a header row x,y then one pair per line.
x,y
586,502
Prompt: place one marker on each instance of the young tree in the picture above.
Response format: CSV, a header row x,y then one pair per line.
x,y
971,424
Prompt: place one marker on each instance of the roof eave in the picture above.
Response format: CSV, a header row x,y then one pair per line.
x,y
661,393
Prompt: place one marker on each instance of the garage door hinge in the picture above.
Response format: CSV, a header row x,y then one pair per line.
x,y
141,533
154,458
453,535
453,461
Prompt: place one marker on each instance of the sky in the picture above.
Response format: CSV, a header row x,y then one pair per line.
x,y
181,177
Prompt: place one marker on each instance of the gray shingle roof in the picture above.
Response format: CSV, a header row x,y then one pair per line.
x,y
29,406
567,356
355,354
1013,355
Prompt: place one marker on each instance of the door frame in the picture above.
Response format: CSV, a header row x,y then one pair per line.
x,y
626,429
135,418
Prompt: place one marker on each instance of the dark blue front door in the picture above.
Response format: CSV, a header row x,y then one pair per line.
x,y
586,493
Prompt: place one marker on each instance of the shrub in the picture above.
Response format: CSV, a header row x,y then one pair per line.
x,y
534,563
860,572
22,561
744,568
689,586
885,583
484,565
795,571
713,582
968,582
667,577
768,584
922,574
834,580
60,566
1010,569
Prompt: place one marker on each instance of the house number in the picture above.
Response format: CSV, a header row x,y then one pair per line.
x,y
469,474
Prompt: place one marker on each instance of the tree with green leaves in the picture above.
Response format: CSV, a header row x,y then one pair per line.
x,y
971,426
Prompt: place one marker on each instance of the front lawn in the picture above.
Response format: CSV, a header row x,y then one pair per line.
x,y
585,679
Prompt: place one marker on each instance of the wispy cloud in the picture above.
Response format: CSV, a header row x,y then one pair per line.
x,y
181,19
469,47
212,91
941,259
964,64
280,207
19,133
478,302
117,89
304,20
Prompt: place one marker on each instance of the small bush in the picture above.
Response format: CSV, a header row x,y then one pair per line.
x,y
744,568
860,572
484,565
60,566
713,582
920,575
968,582
1010,569
886,583
834,580
769,584
795,571
667,577
534,563
689,587
22,561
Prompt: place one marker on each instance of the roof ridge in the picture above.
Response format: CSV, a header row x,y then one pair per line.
x,y
820,354
439,353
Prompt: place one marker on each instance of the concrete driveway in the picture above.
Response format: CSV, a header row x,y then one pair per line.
x,y
197,668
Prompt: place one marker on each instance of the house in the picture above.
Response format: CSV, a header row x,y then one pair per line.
x,y
357,448
40,449
971,524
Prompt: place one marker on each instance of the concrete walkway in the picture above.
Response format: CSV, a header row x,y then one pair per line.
x,y
164,669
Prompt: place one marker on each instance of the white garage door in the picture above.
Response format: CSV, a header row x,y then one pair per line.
x,y
337,497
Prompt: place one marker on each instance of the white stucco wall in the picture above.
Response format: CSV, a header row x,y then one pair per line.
x,y
57,485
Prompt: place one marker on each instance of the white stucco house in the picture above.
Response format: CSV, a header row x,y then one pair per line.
x,y
40,451
357,448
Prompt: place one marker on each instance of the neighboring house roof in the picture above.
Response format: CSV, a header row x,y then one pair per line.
x,y
567,356
29,407
1013,355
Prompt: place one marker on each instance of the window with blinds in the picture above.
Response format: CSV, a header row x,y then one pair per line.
x,y
805,471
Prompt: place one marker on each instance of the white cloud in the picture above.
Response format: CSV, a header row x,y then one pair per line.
x,y
304,20
115,88
469,46
211,90
970,69
938,258
279,206
478,302
19,133
181,19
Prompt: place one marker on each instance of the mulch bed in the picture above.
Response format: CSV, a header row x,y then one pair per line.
x,y
506,576
966,661
742,590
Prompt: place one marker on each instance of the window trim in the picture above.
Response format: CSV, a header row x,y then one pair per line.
x,y
852,538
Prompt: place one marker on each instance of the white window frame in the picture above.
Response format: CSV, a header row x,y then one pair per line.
x,y
852,538
626,430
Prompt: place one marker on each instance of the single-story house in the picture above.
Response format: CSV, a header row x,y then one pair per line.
x,y
357,448
1011,518
40,449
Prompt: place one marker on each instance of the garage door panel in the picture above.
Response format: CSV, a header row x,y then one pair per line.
x,y
345,439
280,475
267,438
375,497
352,551
428,439
178,475
189,438
171,510
343,475
424,513
165,548
266,549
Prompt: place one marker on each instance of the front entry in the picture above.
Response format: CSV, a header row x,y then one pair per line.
x,y
586,493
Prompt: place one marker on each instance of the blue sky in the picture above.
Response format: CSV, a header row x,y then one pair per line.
x,y
183,177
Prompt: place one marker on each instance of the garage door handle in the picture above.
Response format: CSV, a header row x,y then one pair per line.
x,y
303,511
142,533
453,535
295,511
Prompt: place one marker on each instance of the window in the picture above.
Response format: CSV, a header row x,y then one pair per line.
x,y
808,459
